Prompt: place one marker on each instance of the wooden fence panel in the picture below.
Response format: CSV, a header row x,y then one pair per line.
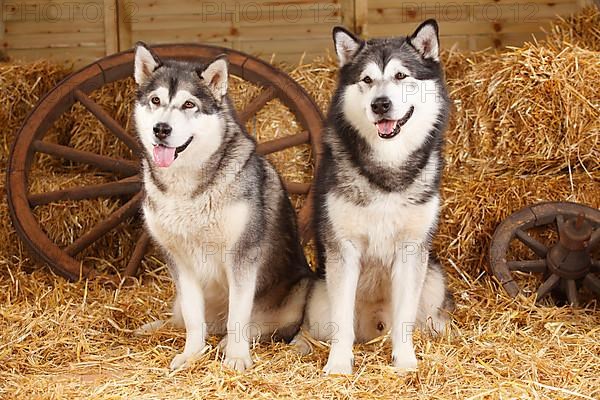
x,y
284,29
82,31
73,32
471,24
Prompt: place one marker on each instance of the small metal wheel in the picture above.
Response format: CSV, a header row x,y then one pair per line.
x,y
565,238
124,184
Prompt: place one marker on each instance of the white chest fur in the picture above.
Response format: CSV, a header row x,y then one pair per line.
x,y
201,227
387,222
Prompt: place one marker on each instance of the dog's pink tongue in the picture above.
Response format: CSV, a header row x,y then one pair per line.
x,y
164,156
386,126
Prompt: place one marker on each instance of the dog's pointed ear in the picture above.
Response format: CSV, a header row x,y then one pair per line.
x,y
346,44
146,62
426,40
215,76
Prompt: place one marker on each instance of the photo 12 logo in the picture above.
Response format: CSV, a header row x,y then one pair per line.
x,y
469,11
67,11
272,12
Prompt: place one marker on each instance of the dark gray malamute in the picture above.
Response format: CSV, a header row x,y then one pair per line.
x,y
218,210
377,198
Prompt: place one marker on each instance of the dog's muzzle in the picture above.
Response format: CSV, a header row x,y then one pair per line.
x,y
165,155
184,146
388,128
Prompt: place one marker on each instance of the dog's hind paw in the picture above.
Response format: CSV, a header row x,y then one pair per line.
x,y
239,364
405,364
301,346
339,366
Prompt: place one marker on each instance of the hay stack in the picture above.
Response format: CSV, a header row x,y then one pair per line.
x,y
526,129
581,29
21,87
530,110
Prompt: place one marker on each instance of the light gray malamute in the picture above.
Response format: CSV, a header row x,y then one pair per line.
x,y
377,198
218,210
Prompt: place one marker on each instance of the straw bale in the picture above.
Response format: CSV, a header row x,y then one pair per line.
x,y
581,29
21,87
530,110
318,79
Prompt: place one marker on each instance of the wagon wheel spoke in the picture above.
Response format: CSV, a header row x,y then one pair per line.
x,y
256,104
274,145
537,247
138,254
594,239
547,286
127,186
297,188
116,165
560,220
127,210
592,282
109,122
528,265
572,293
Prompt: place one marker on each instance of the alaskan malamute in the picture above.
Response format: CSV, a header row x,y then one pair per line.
x,y
218,210
377,198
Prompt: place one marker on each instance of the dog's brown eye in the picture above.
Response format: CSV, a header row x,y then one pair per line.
x,y
367,80
155,100
380,326
188,104
400,76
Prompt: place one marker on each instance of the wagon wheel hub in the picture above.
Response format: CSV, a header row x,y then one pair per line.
x,y
570,258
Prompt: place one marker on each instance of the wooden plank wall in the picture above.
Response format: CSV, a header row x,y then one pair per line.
x,y
285,28
84,30
57,30
469,24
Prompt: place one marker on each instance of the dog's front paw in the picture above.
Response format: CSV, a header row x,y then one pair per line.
x,y
337,365
184,359
301,345
239,364
179,361
405,363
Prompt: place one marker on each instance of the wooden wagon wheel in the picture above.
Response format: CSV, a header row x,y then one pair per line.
x,y
568,263
76,88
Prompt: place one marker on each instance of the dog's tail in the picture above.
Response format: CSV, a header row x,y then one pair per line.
x,y
176,320
436,302
150,327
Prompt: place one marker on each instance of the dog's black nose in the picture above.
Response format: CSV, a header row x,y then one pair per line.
x,y
381,105
162,130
